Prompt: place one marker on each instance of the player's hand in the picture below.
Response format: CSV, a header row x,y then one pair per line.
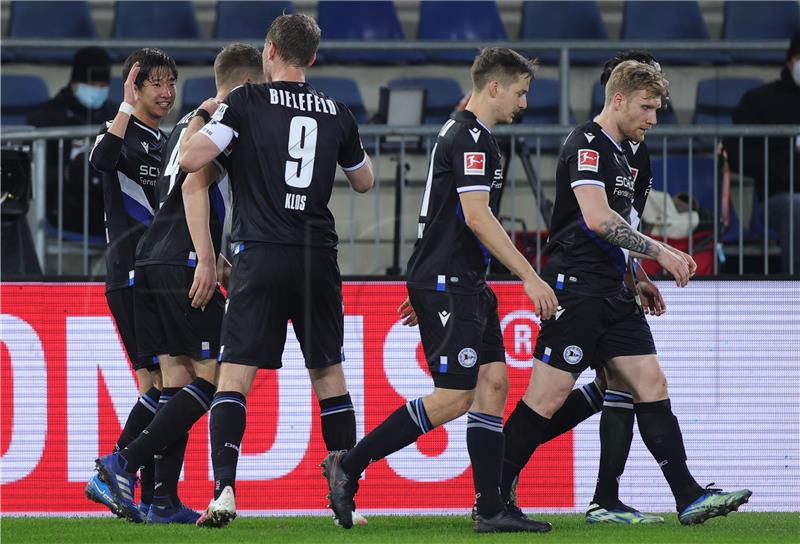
x,y
210,105
407,313
652,301
542,297
129,92
204,284
677,267
686,257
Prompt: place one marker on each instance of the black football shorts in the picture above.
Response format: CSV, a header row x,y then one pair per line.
x,y
121,304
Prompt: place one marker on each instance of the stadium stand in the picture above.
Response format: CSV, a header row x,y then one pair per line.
x,y
363,21
673,21
466,21
762,20
195,91
717,97
441,97
48,20
22,94
569,21
237,20
345,90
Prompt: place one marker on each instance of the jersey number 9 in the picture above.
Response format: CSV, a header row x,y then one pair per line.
x,y
302,148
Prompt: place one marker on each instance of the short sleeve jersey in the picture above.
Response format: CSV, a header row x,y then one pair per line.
x,y
168,240
287,140
447,255
579,257
130,198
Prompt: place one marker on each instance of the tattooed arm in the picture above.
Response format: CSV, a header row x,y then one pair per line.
x,y
608,224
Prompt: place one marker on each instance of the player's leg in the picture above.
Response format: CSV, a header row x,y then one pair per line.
x,y
582,403
662,435
564,348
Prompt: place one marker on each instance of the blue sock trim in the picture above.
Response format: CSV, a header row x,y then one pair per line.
x,y
484,421
618,399
229,398
593,396
199,396
417,412
337,409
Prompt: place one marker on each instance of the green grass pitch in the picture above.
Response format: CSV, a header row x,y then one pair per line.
x,y
760,528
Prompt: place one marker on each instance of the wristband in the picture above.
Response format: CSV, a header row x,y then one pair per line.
x,y
202,114
126,108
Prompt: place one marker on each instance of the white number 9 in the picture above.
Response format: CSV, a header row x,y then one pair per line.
x,y
302,149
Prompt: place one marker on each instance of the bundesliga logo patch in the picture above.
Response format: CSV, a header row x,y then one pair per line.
x,y
588,159
634,173
474,164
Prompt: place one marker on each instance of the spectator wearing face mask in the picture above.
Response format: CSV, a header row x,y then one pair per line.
x,y
84,101
775,103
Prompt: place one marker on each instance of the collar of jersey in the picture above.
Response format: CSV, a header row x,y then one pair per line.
x,y
612,140
473,116
156,133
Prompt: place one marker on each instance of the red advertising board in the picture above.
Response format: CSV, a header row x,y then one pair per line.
x,y
67,387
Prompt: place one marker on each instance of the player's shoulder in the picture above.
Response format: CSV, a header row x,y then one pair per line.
x,y
465,129
588,135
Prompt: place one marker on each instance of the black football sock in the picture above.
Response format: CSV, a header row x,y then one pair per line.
x,y
168,472
397,431
581,404
523,431
158,469
485,445
228,419
172,421
662,436
338,422
616,434
139,418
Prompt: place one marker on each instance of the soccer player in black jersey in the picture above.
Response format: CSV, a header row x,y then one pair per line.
x,y
286,140
182,331
128,153
591,239
457,311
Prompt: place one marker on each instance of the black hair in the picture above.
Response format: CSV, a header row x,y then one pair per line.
x,y
150,60
639,55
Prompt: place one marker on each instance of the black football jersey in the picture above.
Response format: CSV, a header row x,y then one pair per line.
x,y
168,240
130,196
581,260
287,140
639,160
447,255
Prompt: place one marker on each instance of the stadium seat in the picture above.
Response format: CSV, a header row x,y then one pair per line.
x,y
22,94
163,20
237,20
116,91
568,21
53,20
762,20
344,90
362,21
717,98
443,21
195,91
441,97
669,21
544,101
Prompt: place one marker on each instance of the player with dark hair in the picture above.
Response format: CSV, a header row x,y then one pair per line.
x,y
591,239
456,309
176,320
128,152
287,139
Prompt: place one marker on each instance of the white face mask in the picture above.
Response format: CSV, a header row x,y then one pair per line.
x,y
796,72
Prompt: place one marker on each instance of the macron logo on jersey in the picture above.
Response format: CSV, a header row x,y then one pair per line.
x,y
475,164
588,159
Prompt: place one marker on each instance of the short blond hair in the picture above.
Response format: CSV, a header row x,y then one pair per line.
x,y
631,76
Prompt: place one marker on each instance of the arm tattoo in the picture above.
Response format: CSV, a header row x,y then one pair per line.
x,y
620,233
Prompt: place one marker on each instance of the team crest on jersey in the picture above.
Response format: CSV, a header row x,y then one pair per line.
x,y
467,357
634,173
588,160
573,355
475,164
220,112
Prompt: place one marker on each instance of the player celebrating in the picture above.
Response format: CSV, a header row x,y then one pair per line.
x,y
456,309
288,139
179,255
128,153
589,247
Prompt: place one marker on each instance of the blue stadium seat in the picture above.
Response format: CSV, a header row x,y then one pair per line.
x,y
362,21
569,21
441,97
717,98
195,91
544,100
49,20
344,90
116,92
22,94
237,20
762,20
442,21
669,21
678,175
169,20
